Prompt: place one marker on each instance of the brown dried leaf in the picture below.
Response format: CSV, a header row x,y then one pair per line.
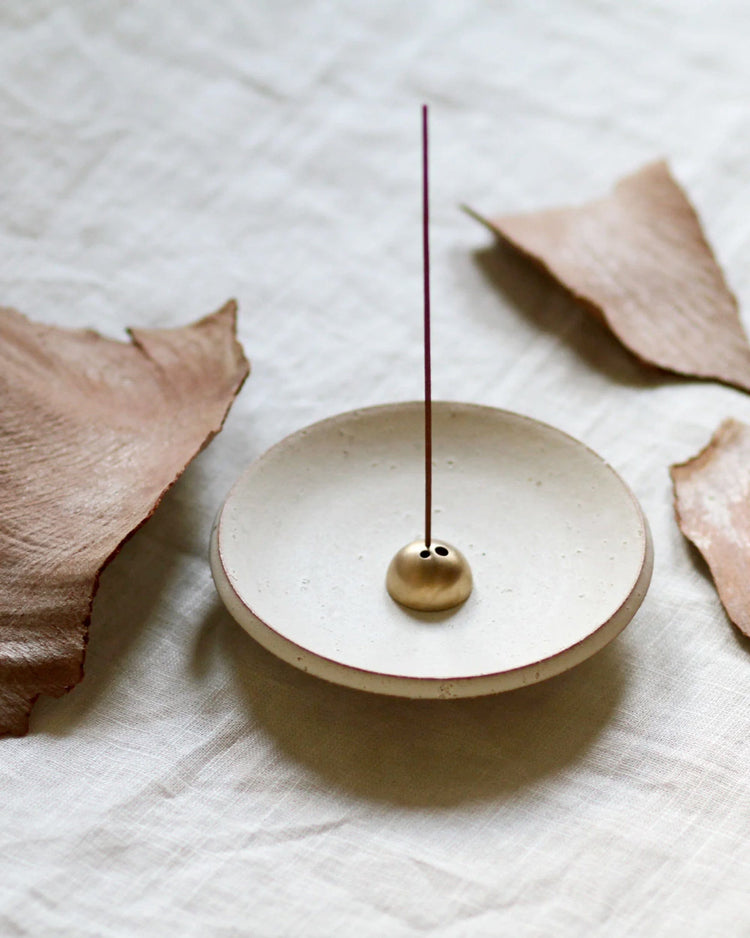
x,y
639,259
712,504
92,434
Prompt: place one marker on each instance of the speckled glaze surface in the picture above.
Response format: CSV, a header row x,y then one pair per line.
x,y
558,545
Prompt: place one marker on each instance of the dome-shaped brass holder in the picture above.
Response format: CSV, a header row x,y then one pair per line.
x,y
429,579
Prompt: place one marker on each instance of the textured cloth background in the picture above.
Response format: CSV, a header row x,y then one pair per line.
x,y
160,158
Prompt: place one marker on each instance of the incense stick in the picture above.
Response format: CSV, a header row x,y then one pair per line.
x,y
427,356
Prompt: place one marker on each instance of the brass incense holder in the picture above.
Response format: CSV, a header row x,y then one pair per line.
x,y
429,579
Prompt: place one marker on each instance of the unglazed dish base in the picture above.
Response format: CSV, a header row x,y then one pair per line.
x,y
559,549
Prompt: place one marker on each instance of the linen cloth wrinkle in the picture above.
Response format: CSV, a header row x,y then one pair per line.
x,y
159,159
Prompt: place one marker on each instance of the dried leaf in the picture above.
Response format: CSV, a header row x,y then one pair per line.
x,y
712,504
92,434
639,259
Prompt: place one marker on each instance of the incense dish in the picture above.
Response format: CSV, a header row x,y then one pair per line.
x,y
559,546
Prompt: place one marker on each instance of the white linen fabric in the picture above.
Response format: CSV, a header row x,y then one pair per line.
x,y
160,158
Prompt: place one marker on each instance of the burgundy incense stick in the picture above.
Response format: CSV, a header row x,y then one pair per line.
x,y
428,580
427,358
